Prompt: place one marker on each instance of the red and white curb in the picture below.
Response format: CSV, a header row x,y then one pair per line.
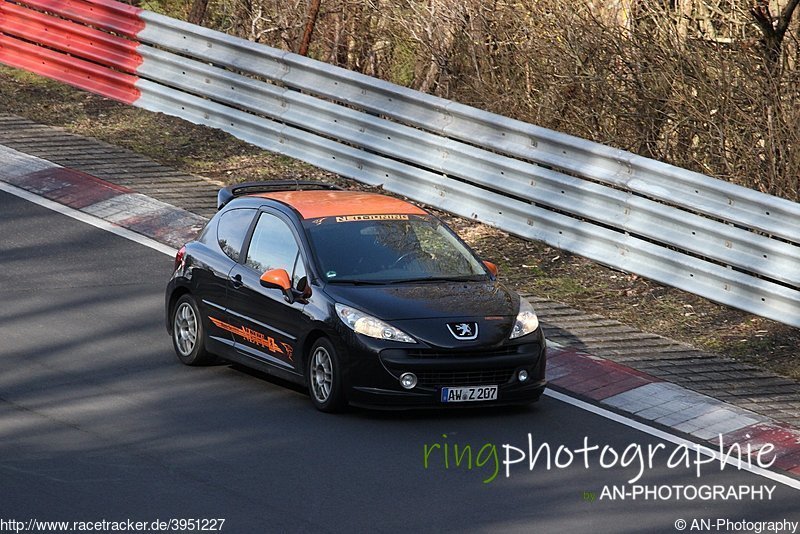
x,y
669,405
605,383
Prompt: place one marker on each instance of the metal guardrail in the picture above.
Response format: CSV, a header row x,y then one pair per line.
x,y
724,242
597,162
72,52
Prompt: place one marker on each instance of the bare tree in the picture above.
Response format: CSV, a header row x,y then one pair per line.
x,y
197,11
773,30
311,21
709,85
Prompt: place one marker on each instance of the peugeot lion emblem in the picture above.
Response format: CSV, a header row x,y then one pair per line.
x,y
463,331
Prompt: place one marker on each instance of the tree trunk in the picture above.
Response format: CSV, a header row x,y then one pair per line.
x,y
313,13
773,32
198,11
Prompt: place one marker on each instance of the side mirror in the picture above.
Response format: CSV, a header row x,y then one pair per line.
x,y
492,268
303,289
279,279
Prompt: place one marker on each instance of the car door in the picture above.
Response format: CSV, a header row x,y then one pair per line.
x,y
211,278
266,325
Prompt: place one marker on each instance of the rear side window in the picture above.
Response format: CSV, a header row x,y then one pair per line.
x,y
232,229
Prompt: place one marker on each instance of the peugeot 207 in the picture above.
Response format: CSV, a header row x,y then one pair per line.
x,y
364,299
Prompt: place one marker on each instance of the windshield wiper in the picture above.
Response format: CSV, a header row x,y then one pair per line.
x,y
359,282
423,280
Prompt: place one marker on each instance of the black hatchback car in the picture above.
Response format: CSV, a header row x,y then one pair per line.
x,y
363,298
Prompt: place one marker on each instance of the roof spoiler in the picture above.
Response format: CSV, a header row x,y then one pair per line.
x,y
226,194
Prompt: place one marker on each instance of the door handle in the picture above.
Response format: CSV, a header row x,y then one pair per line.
x,y
236,281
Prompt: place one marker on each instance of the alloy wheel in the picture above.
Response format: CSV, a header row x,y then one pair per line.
x,y
321,374
185,329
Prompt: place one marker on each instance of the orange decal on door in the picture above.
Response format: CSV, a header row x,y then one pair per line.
x,y
256,338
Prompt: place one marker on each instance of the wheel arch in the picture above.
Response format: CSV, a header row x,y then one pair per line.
x,y
312,337
173,298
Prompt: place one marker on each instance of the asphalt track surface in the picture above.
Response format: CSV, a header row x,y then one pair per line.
x,y
98,420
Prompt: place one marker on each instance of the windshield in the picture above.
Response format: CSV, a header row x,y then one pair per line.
x,y
390,249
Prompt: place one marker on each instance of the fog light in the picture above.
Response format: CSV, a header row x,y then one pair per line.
x,y
408,380
523,375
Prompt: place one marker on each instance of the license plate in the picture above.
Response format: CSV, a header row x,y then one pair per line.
x,y
469,394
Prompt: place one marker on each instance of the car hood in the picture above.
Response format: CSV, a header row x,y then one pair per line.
x,y
428,300
435,313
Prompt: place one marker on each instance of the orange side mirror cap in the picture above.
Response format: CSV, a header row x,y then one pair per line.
x,y
276,278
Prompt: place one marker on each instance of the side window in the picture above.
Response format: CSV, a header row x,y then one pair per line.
x,y
299,271
274,247
231,230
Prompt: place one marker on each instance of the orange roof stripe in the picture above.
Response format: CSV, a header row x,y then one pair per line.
x,y
314,204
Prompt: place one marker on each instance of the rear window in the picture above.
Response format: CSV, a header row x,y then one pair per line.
x,y
232,229
390,248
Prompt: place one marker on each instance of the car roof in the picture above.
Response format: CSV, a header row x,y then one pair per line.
x,y
313,204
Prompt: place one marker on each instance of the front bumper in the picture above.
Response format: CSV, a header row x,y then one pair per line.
x,y
404,399
374,380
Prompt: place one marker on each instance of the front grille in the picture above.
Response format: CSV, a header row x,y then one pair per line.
x,y
486,377
503,351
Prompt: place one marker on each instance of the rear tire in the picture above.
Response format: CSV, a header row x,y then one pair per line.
x,y
188,333
324,375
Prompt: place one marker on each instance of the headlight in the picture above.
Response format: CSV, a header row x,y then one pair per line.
x,y
370,326
526,321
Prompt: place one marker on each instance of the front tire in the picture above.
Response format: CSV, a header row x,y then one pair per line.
x,y
188,333
324,374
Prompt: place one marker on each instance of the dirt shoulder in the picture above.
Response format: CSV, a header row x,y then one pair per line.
x,y
528,266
